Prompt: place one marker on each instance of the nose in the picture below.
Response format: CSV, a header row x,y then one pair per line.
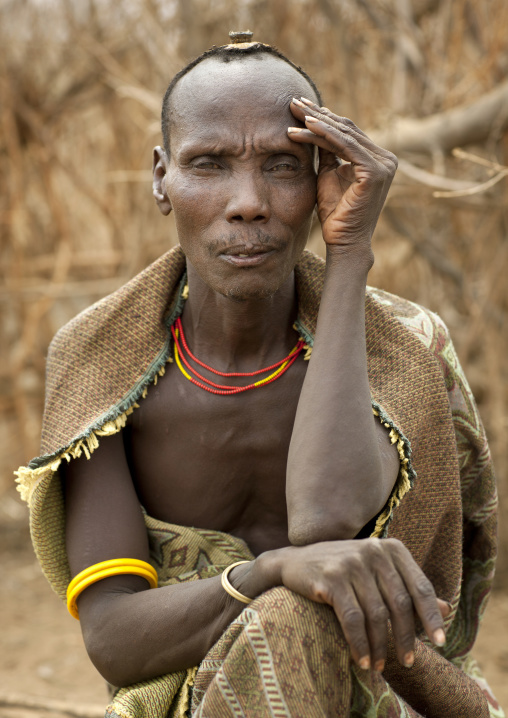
x,y
248,201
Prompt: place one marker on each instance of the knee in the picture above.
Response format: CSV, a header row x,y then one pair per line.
x,y
285,615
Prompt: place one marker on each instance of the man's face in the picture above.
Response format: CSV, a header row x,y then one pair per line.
x,y
242,191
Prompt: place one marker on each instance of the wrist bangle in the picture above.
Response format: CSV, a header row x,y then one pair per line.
x,y
104,569
231,589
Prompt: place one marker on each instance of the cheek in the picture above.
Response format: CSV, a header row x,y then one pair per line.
x,y
195,209
190,199
296,203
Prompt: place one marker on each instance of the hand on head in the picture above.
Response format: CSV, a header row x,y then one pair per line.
x,y
354,174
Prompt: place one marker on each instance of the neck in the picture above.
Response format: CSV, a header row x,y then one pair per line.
x,y
239,335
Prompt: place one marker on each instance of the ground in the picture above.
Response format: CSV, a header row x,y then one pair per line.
x,y
42,658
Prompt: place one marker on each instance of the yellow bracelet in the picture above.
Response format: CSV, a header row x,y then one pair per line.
x,y
104,569
229,588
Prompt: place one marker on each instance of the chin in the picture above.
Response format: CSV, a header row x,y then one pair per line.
x,y
238,294
245,284
241,292
251,288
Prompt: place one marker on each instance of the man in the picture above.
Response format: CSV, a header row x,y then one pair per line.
x,y
281,464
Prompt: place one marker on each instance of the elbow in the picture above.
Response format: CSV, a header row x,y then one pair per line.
x,y
305,530
335,512
106,659
110,657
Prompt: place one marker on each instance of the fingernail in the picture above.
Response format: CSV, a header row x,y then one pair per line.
x,y
307,102
380,665
364,663
294,129
409,659
297,102
439,637
308,118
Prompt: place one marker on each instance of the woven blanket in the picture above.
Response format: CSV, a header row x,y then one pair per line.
x,y
443,507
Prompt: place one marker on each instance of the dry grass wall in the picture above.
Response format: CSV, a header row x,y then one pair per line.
x,y
80,86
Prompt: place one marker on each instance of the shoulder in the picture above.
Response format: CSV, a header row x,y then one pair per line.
x,y
425,325
420,321
142,301
385,312
431,331
101,361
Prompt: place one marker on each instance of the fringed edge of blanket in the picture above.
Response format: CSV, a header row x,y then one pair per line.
x,y
27,478
406,475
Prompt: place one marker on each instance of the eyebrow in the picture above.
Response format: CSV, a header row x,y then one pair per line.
x,y
224,146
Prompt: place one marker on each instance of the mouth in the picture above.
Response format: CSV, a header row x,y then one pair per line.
x,y
247,257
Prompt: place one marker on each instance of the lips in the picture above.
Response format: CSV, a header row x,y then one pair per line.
x,y
242,259
247,256
247,250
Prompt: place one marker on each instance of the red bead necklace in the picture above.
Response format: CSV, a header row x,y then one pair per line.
x,y
280,367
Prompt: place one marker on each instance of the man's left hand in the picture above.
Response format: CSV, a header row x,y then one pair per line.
x,y
354,175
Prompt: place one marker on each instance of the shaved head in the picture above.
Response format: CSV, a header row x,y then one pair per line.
x,y
228,58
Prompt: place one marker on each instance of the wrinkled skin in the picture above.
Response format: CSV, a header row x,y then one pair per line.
x,y
271,466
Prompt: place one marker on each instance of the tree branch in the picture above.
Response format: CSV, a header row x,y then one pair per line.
x,y
471,123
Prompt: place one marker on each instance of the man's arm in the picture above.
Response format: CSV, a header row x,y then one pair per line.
x,y
132,633
339,474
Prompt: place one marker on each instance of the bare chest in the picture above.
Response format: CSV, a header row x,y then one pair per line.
x,y
216,462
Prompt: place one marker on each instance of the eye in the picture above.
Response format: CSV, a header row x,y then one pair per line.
x,y
282,164
283,167
207,165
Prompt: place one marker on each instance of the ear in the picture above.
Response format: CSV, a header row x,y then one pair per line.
x,y
159,168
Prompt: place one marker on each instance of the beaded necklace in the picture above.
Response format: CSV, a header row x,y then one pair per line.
x,y
182,348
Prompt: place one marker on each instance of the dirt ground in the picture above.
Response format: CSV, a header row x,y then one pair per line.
x,y
42,658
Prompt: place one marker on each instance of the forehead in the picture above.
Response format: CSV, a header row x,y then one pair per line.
x,y
240,91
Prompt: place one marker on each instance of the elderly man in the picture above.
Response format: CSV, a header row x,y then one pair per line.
x,y
295,459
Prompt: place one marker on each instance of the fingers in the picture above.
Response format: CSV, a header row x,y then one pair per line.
x,y
401,614
352,619
340,136
363,615
353,179
376,620
336,139
390,586
303,107
422,594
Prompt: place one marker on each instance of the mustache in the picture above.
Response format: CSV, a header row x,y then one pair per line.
x,y
256,238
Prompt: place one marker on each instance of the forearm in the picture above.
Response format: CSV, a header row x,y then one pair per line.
x,y
157,631
334,463
133,634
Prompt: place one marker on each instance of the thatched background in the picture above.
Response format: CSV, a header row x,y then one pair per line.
x,y
80,85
